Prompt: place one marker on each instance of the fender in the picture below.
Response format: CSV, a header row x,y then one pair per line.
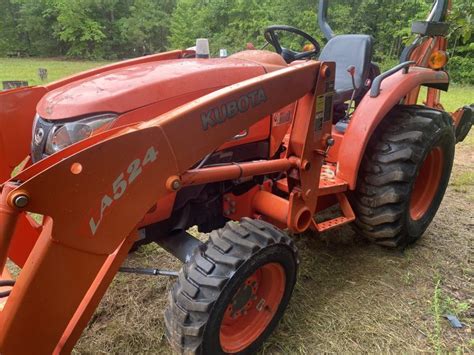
x,y
371,112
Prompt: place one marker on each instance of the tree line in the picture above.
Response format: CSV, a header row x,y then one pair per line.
x,y
114,29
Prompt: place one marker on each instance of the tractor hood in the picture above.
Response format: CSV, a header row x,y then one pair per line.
x,y
126,89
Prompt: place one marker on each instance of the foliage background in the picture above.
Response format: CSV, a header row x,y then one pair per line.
x,y
113,29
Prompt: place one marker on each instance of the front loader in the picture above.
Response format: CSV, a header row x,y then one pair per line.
x,y
244,147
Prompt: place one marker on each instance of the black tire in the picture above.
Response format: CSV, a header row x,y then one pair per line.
x,y
465,123
208,282
392,162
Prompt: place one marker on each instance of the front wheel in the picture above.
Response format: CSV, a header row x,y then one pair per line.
x,y
404,175
230,296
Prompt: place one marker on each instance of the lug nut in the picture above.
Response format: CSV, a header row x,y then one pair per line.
x,y
176,185
21,201
173,183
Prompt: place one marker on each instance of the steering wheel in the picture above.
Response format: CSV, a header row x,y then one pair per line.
x,y
287,54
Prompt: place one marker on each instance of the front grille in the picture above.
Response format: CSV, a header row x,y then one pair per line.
x,y
41,128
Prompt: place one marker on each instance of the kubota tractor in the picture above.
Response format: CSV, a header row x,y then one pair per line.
x,y
243,147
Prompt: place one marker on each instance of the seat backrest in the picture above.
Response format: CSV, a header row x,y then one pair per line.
x,y
347,50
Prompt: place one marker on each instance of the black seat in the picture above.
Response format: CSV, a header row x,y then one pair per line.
x,y
347,50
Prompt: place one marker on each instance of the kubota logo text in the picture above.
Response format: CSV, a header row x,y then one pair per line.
x,y
228,110
121,184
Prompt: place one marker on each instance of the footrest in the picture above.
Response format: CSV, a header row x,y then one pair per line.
x,y
332,223
347,217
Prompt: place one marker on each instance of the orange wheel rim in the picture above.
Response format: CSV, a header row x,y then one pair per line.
x,y
426,184
252,308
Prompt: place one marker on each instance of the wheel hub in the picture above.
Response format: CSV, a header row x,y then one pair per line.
x,y
252,307
244,298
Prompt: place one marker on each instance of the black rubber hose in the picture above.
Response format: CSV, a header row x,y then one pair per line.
x,y
5,294
6,283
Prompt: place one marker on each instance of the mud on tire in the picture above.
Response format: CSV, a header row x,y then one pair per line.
x,y
404,175
208,284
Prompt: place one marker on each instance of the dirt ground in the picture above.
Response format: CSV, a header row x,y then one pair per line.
x,y
351,296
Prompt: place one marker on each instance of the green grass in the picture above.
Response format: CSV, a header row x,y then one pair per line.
x,y
26,69
456,97
441,306
462,181
436,311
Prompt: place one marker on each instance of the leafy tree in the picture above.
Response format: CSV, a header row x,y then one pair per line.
x,y
9,37
461,40
189,21
77,26
123,28
145,30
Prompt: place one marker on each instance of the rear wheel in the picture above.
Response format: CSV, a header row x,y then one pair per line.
x,y
404,175
230,296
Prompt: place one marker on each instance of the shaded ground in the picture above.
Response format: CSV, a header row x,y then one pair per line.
x,y
351,296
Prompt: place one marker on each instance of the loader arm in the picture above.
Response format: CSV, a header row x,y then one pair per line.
x,y
97,191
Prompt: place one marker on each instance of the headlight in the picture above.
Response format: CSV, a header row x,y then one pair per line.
x,y
62,136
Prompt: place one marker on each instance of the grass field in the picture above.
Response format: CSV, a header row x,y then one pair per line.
x,y
27,69
351,296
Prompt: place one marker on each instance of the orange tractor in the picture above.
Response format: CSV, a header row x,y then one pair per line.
x,y
244,147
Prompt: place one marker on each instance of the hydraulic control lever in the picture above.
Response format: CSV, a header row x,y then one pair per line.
x,y
351,70
341,126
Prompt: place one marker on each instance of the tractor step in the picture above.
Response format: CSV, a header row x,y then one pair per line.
x,y
328,182
332,223
347,217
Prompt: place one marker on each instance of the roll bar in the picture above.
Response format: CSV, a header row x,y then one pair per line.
x,y
438,14
438,11
322,19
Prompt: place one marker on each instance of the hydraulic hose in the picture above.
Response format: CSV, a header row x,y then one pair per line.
x,y
6,283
